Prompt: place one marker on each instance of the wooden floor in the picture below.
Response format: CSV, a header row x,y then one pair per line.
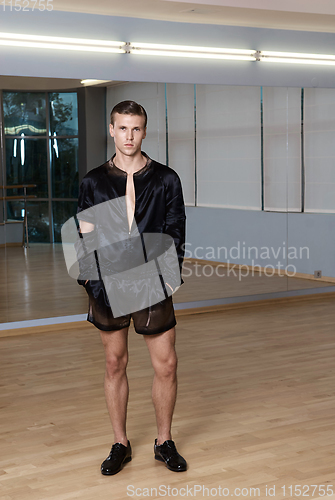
x,y
255,409
35,284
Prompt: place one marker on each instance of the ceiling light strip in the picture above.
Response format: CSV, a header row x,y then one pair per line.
x,y
155,49
86,48
297,61
188,48
201,55
141,48
61,47
59,43
60,40
297,55
295,58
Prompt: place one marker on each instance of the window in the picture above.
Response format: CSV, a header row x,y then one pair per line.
x,y
41,138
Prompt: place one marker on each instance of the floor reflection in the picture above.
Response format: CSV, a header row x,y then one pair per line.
x,y
36,284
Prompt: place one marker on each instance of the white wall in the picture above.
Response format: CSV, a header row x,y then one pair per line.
x,y
229,166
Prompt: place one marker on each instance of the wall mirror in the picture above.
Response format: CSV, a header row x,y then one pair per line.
x,y
256,165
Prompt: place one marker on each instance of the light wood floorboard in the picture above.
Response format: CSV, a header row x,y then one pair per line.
x,y
256,407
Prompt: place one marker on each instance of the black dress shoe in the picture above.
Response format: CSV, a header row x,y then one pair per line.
x,y
119,455
168,454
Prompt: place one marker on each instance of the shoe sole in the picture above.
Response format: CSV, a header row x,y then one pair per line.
x,y
126,460
160,459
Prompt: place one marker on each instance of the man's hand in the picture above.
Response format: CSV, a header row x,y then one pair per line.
x,y
85,227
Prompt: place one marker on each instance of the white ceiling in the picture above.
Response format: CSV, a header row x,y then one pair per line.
x,y
309,6
307,15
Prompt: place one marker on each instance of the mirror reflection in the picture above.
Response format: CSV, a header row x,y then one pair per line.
x,y
255,164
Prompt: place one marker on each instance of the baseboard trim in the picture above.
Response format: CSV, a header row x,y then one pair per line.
x,y
45,325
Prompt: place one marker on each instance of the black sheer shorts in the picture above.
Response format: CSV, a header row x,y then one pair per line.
x,y
157,318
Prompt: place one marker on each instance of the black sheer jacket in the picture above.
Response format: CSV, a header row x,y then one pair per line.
x,y
159,203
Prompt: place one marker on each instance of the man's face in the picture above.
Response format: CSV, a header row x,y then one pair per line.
x,y
128,132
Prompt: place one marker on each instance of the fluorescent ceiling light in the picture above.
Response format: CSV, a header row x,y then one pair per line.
x,y
60,43
191,51
188,48
156,49
194,54
295,58
89,81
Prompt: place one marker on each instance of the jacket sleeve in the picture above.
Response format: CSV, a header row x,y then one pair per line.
x,y
175,217
86,200
86,244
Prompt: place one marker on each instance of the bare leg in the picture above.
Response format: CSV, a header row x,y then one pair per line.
x,y
116,381
164,388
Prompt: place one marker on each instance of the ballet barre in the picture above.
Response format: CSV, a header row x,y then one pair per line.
x,y
24,197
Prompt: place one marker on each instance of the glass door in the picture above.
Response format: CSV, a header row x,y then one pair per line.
x,y
40,164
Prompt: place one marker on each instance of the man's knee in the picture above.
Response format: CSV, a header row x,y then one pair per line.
x,y
116,365
167,367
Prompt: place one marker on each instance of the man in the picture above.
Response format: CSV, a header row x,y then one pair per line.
x,y
154,204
